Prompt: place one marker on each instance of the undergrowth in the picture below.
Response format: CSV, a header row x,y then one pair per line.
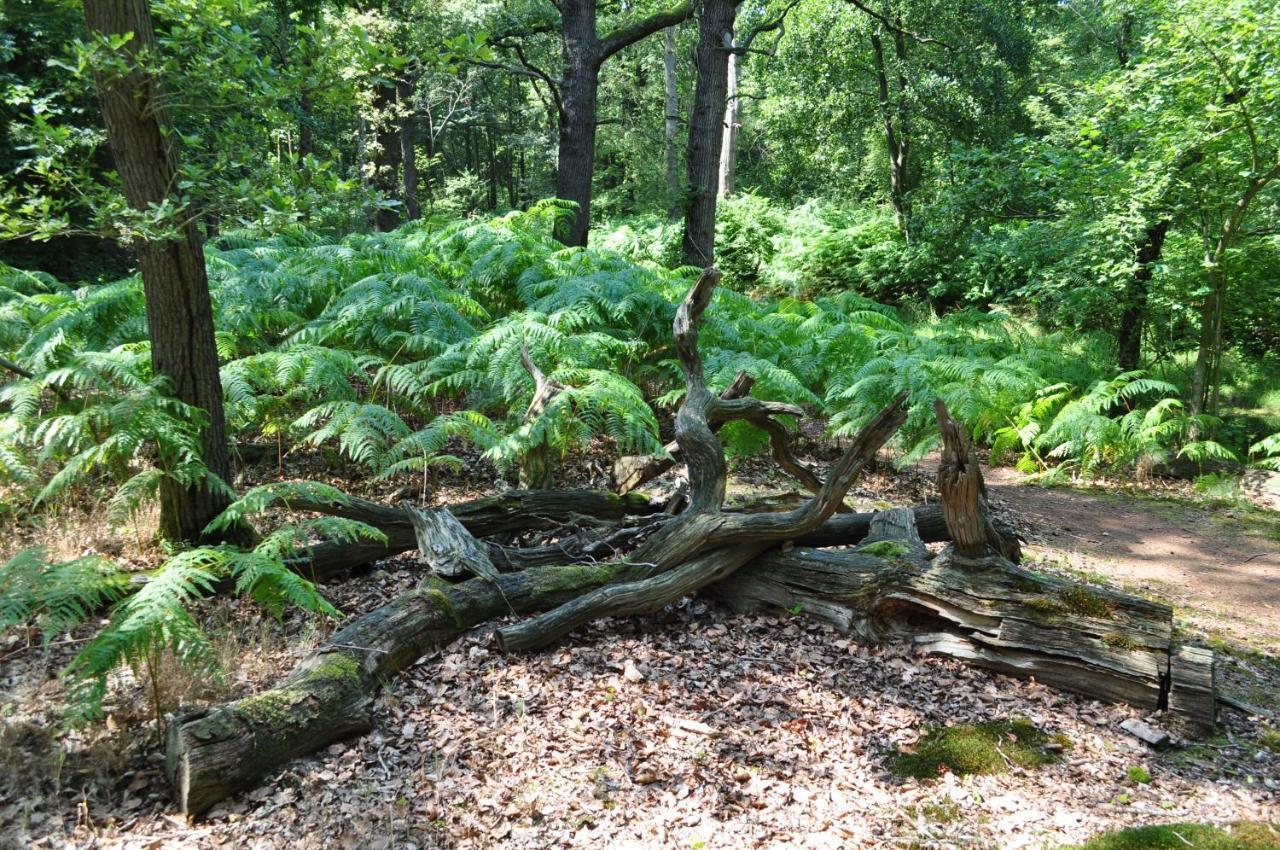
x,y
392,349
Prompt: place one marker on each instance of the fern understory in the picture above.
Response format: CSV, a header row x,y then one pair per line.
x,y
390,349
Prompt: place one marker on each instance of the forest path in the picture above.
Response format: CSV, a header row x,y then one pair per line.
x,y
1220,566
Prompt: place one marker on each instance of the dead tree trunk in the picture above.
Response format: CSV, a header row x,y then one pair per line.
x,y
978,607
537,466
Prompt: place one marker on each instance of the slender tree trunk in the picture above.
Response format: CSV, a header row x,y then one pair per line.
x,y
306,145
1206,378
711,59
174,282
895,144
387,158
492,150
1129,336
672,115
732,124
408,151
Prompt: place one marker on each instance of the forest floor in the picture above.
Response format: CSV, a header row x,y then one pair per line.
x,y
696,728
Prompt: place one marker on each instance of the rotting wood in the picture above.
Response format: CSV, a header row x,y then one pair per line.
x,y
446,545
1093,641
537,470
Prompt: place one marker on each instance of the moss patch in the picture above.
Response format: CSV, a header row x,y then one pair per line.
x,y
1270,739
1120,641
885,549
1045,605
1179,836
979,748
1080,600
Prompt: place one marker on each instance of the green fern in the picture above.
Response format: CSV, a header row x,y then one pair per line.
x,y
56,596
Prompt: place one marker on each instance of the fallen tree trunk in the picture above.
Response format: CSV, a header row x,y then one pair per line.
x,y
974,605
329,695
510,512
1103,644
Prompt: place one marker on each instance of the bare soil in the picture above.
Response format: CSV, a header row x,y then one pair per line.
x,y
1220,565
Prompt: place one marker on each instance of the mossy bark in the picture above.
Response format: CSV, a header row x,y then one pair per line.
x,y
329,695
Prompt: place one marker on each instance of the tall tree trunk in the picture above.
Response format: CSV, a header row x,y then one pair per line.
x,y
174,282
583,54
578,91
896,145
408,151
715,30
732,124
672,115
386,159
1129,336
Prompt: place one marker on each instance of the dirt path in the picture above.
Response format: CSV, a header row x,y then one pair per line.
x,y
1219,566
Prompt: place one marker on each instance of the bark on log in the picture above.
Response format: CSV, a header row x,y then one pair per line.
x,y
329,695
510,512
1093,641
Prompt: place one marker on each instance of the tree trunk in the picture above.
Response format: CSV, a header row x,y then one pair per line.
x,y
306,145
408,149
174,282
386,158
579,85
732,124
896,145
1129,336
1206,378
672,122
706,118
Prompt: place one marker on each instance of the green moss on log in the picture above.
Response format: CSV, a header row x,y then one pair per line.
x,y
1120,640
1081,600
885,549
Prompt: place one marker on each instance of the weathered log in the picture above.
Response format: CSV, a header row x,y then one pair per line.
x,y
988,612
329,695
631,471
705,550
510,512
